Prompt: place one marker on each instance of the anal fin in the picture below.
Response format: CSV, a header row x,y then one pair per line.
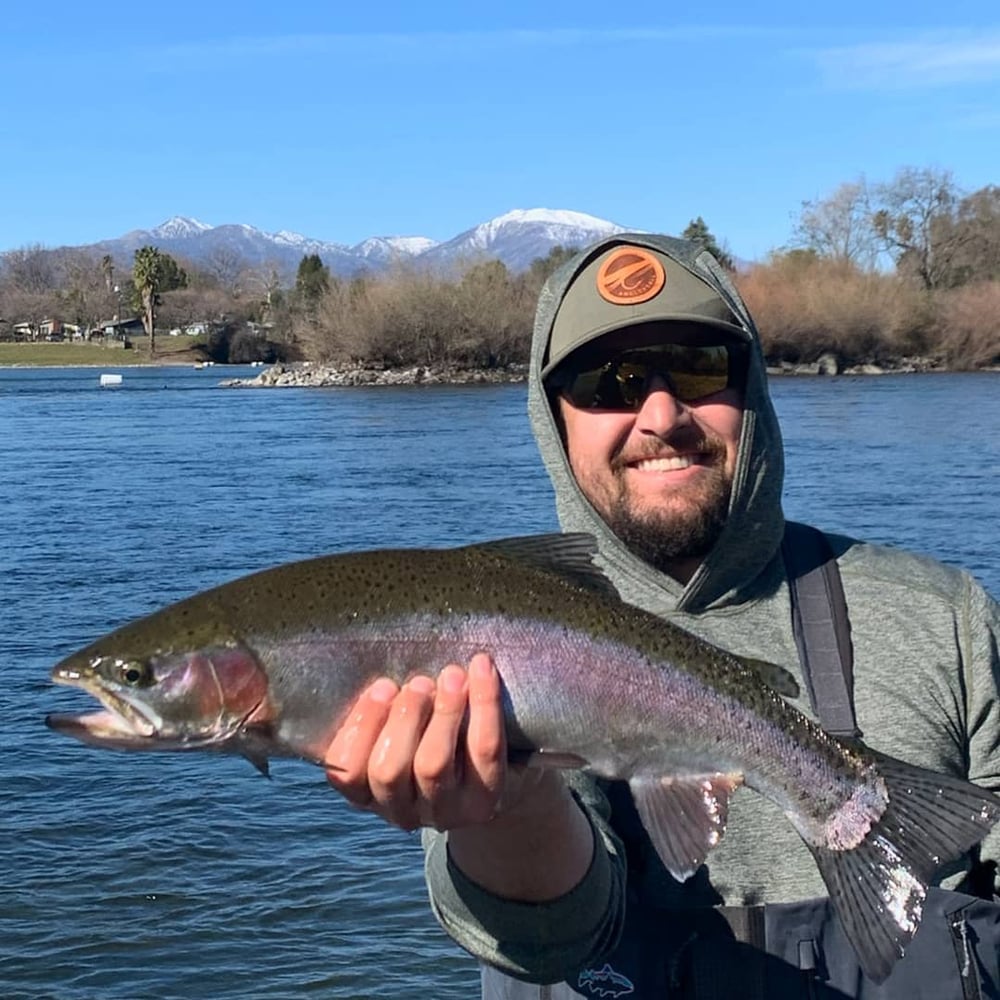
x,y
684,817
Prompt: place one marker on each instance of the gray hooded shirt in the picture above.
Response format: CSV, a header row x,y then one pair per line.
x,y
926,662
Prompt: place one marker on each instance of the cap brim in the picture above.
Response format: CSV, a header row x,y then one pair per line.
x,y
691,319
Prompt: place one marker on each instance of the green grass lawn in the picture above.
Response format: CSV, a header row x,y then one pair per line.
x,y
169,350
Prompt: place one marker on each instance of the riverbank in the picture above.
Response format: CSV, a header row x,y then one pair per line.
x,y
169,351
306,375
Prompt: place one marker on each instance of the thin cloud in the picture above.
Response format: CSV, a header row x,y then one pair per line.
x,y
940,61
436,43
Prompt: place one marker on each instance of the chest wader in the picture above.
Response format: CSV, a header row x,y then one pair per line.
x,y
781,951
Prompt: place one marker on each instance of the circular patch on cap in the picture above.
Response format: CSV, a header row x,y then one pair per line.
x,y
629,276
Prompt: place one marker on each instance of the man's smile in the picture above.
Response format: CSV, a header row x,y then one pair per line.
x,y
674,463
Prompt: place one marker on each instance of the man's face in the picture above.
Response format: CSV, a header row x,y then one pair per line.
x,y
661,475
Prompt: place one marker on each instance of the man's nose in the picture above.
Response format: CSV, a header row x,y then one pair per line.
x,y
661,410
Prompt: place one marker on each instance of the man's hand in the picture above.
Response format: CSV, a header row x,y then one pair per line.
x,y
405,754
401,752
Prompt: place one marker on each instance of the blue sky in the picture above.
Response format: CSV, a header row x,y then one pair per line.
x,y
347,120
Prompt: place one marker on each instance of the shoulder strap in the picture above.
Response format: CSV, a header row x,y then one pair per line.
x,y
821,626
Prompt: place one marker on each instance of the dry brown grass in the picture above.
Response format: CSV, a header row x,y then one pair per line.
x,y
806,307
967,322
482,319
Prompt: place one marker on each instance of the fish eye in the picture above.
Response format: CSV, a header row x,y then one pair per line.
x,y
135,674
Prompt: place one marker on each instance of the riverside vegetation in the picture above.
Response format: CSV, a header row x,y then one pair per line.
x,y
904,274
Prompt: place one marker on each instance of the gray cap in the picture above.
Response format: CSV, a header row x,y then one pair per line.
x,y
627,285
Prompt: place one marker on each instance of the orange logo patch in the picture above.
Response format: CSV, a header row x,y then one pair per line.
x,y
630,276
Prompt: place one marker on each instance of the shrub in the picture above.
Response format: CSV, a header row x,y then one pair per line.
x,y
806,306
967,322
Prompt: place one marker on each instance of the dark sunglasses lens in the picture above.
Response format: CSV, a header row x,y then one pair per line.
x,y
700,371
621,383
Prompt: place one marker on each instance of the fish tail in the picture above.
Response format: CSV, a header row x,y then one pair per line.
x,y
878,887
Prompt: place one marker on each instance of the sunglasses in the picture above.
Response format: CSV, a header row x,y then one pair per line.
x,y
622,381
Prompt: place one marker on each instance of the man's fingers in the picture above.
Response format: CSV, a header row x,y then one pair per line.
x,y
390,769
486,741
435,769
348,755
428,753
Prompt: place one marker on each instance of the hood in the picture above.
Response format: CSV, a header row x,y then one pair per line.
x,y
755,523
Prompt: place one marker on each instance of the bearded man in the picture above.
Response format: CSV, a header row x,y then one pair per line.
x,y
648,398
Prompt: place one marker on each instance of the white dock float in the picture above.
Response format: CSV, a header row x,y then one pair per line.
x,y
108,379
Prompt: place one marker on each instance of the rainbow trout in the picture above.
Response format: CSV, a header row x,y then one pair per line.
x,y
270,664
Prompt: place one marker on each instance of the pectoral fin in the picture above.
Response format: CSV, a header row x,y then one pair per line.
x,y
684,817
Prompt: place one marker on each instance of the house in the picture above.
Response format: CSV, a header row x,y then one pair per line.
x,y
117,330
55,330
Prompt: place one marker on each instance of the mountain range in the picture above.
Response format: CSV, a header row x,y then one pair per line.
x,y
516,238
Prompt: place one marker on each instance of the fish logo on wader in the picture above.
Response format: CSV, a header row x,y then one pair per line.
x,y
605,982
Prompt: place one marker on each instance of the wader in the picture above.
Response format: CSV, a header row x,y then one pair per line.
x,y
784,951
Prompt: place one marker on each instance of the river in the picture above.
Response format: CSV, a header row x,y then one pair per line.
x,y
162,876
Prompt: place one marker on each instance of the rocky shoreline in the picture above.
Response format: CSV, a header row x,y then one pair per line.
x,y
307,375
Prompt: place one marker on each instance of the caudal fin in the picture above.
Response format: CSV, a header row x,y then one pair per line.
x,y
878,888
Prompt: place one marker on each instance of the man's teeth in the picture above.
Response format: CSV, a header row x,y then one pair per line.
x,y
665,464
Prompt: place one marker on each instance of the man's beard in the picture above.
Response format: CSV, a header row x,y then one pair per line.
x,y
686,525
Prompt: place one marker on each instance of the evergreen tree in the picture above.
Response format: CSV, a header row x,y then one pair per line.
x,y
698,232
312,279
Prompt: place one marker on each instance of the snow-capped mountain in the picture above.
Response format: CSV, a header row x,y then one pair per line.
x,y
214,245
387,249
521,236
178,228
516,238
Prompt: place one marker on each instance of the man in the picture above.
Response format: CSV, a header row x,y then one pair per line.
x,y
648,398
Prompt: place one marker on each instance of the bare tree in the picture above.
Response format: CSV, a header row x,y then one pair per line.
x,y
31,269
108,270
840,227
976,238
86,298
913,221
225,264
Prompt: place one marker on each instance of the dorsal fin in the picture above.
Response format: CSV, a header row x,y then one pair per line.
x,y
569,555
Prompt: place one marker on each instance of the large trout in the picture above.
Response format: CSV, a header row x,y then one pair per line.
x,y
270,664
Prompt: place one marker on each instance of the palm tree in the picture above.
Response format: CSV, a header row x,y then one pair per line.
x,y
146,275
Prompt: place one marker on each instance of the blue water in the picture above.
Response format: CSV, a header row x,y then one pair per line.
x,y
162,876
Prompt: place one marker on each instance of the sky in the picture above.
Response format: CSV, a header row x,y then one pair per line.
x,y
343,121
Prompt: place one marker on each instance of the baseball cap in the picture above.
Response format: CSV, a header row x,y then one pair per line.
x,y
626,285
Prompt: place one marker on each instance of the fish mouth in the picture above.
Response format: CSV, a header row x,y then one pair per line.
x,y
121,722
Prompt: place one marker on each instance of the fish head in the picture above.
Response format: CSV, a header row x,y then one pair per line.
x,y
163,700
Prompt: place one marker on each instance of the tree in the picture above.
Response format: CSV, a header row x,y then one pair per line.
x,y
312,279
154,272
226,266
542,267
31,269
85,298
914,222
840,227
697,231
108,270
974,239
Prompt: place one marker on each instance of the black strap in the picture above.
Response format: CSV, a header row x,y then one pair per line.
x,y
821,626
